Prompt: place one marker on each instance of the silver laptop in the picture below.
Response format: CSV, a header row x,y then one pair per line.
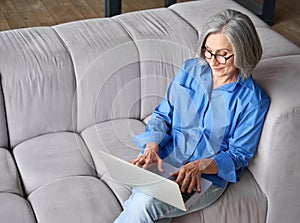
x,y
153,183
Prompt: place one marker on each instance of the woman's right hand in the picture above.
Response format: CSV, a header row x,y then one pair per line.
x,y
149,157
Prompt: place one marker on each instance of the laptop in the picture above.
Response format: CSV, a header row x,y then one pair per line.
x,y
152,182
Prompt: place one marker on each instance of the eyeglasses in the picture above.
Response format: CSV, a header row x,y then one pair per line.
x,y
221,59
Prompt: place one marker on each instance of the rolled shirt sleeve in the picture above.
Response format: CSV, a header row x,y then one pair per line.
x,y
158,129
243,142
158,126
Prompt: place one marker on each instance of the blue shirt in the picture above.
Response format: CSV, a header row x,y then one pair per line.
x,y
194,122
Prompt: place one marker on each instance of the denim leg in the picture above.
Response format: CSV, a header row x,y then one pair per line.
x,y
208,198
142,208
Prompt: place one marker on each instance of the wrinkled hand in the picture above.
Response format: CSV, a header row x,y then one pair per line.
x,y
149,157
188,176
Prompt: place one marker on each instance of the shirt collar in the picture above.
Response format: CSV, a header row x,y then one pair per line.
x,y
247,82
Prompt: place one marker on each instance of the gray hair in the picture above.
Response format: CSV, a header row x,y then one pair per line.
x,y
241,33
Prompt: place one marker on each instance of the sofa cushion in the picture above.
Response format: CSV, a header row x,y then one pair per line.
x,y
275,163
75,199
9,177
281,175
15,209
113,137
198,12
279,77
37,82
164,41
3,124
49,157
106,64
275,45
243,201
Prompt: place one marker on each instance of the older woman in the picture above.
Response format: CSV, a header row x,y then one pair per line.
x,y
210,120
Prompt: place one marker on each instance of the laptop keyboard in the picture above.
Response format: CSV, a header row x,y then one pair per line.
x,y
186,195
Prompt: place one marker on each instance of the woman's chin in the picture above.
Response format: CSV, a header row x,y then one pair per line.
x,y
218,71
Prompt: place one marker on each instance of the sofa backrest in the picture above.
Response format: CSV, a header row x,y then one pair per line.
x,y
164,41
124,64
74,75
276,163
106,63
37,81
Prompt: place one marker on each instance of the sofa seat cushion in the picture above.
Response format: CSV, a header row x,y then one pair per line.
x,y
113,137
15,209
48,157
243,201
9,177
75,199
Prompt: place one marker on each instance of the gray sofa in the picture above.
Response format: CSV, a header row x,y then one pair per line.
x,y
73,89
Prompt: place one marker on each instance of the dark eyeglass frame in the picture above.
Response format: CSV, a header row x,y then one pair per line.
x,y
204,50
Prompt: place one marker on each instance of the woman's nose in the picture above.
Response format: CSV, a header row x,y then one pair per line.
x,y
213,60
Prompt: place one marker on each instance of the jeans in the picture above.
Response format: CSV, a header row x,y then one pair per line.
x,y
142,208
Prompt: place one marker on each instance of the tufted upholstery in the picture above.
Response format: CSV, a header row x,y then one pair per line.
x,y
73,89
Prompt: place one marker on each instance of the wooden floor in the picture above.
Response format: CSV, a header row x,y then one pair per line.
x,y
28,13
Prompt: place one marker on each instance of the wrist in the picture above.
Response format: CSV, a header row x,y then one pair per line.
x,y
208,166
152,146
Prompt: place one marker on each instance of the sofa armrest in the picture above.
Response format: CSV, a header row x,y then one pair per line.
x,y
276,163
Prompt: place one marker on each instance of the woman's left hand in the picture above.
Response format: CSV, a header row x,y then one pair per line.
x,y
188,176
